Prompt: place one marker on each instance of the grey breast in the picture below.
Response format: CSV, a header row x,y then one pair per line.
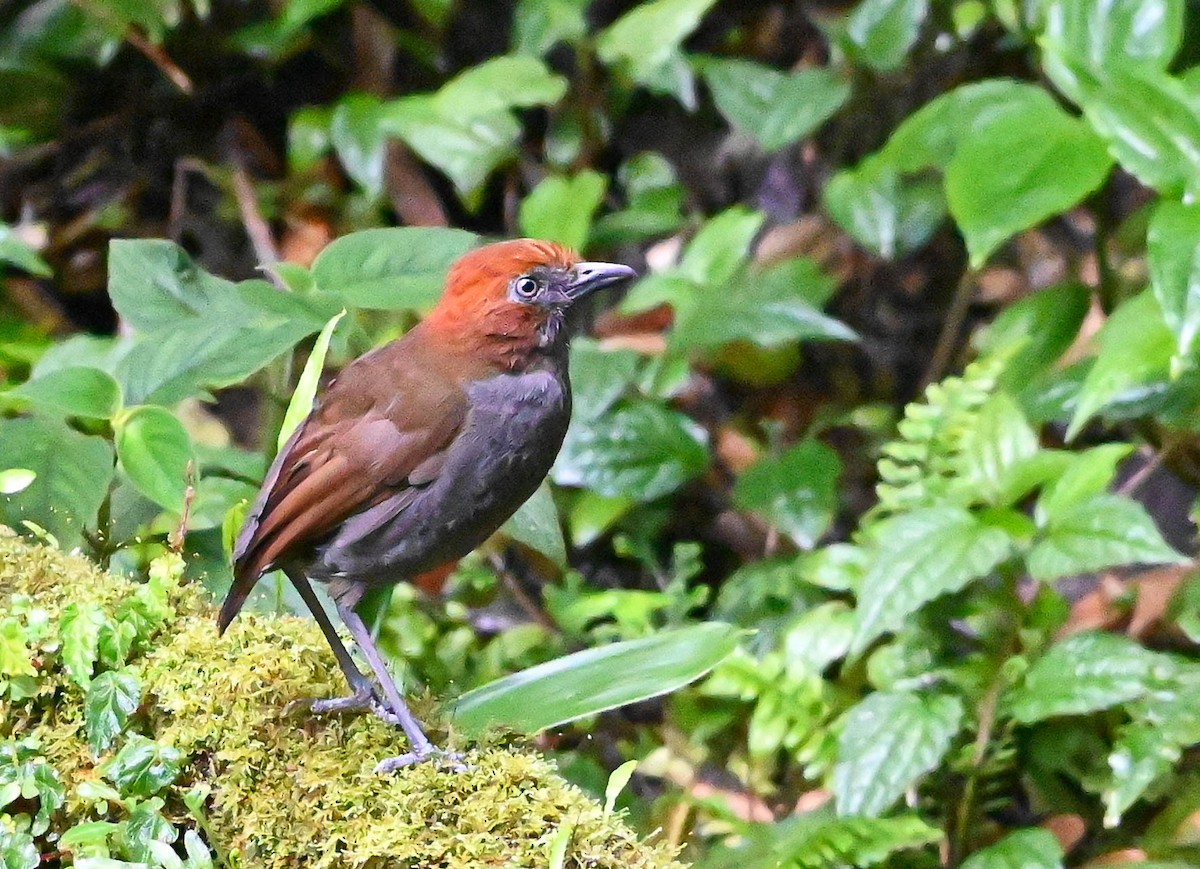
x,y
509,440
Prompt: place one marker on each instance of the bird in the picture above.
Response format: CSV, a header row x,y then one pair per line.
x,y
419,450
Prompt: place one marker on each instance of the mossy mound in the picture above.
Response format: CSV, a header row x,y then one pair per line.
x,y
288,789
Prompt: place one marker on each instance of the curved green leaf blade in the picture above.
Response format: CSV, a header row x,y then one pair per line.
x,y
75,391
392,268
111,698
306,388
154,449
888,741
1174,256
536,524
595,680
1033,848
881,32
560,209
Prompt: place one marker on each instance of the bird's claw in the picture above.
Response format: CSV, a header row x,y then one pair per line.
x,y
363,700
452,759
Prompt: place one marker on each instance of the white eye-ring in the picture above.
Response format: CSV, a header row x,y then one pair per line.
x,y
525,287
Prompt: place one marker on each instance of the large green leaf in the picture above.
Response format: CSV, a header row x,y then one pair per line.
x,y
155,450
112,697
880,32
594,680
537,525
773,107
888,742
995,451
1103,33
796,492
1017,170
393,268
539,25
1135,349
1175,269
920,556
1032,848
73,391
73,472
646,38
641,450
560,209
884,212
512,82
1104,531
143,767
195,330
357,135
1086,673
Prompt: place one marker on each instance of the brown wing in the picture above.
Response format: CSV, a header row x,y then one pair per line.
x,y
382,426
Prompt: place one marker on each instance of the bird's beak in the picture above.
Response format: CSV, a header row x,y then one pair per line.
x,y
587,277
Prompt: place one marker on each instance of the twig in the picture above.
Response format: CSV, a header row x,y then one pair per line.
x,y
951,326
1138,477
527,603
257,228
159,57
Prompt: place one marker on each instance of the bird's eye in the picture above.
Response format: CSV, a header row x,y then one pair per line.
x,y
525,287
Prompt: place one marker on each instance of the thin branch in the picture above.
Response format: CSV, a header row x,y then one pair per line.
x,y
159,57
947,341
257,228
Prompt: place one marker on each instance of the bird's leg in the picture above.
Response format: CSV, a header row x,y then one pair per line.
x,y
364,697
422,748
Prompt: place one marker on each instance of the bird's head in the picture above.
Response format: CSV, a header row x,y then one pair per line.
x,y
507,300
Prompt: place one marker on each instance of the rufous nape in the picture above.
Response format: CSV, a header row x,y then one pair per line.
x,y
420,450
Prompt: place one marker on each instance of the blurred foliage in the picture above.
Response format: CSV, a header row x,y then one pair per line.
x,y
908,389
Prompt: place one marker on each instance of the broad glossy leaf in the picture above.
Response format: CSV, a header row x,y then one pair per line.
x,y
994,449
1086,673
1173,244
768,308
646,37
721,246
537,525
796,492
143,767
393,268
640,450
539,25
888,742
880,32
467,150
357,135
773,107
560,209
599,377
112,697
1031,848
72,474
79,640
306,387
595,680
1135,348
512,82
1017,170
1104,531
1088,474
155,449
1103,33
920,556
75,391
884,213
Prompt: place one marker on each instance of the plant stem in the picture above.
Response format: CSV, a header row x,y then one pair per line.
x,y
947,341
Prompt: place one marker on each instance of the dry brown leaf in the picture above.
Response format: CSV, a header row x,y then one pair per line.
x,y
1068,829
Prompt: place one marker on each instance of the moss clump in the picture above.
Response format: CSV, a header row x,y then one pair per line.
x,y
288,789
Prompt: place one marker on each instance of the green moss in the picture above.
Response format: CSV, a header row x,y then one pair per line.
x,y
288,789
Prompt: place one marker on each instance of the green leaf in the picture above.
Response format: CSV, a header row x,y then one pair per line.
x,y
155,450
394,268
195,330
1104,531
1018,170
599,377
79,635
646,38
308,138
15,657
768,308
1135,348
17,850
17,252
1042,325
357,135
512,82
1086,673
880,32
1032,848
467,150
642,450
86,392
112,697
72,475
14,480
721,246
142,767
306,387
773,107
616,783
1140,757
536,524
920,556
795,492
560,209
29,778
883,212
1174,259
595,680
539,25
145,824
888,742
1088,474
1103,33
994,449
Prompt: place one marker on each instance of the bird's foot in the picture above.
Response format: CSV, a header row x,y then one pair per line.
x,y
431,753
362,700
